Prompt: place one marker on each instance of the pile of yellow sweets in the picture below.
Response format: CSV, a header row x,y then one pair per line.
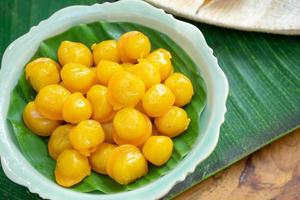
x,y
111,109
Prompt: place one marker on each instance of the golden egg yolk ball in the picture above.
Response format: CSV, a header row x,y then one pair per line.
x,y
37,123
95,79
162,59
86,136
76,108
126,164
146,71
133,45
158,100
106,69
99,158
138,141
181,87
71,168
74,52
126,65
106,50
42,72
129,124
125,90
102,109
59,140
50,100
174,122
77,77
158,149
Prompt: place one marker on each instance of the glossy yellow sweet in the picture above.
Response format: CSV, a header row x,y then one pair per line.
x,y
139,141
106,50
158,100
125,90
174,122
71,168
158,149
76,108
105,70
109,130
99,158
162,59
133,45
146,71
130,124
95,79
50,100
126,65
59,140
126,164
86,136
74,52
182,88
102,109
77,77
37,123
42,72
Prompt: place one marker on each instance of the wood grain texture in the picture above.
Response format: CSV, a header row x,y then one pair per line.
x,y
270,173
272,16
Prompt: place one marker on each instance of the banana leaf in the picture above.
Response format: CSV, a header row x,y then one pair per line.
x,y
263,72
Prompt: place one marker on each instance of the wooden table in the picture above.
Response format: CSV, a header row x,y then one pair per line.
x,y
270,173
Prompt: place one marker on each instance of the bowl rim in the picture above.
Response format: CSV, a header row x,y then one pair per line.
x,y
19,170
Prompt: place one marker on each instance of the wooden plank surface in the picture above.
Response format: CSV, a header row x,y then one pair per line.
x,y
270,173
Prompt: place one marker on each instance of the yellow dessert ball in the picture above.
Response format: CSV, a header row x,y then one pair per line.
x,y
127,64
50,100
125,89
76,108
133,45
174,122
146,71
158,100
105,70
59,140
162,59
106,50
102,109
158,149
86,136
95,79
42,72
99,158
74,52
138,141
129,124
77,77
182,88
37,123
108,129
126,164
71,168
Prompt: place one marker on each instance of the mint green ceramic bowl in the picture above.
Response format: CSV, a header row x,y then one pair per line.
x,y
19,170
